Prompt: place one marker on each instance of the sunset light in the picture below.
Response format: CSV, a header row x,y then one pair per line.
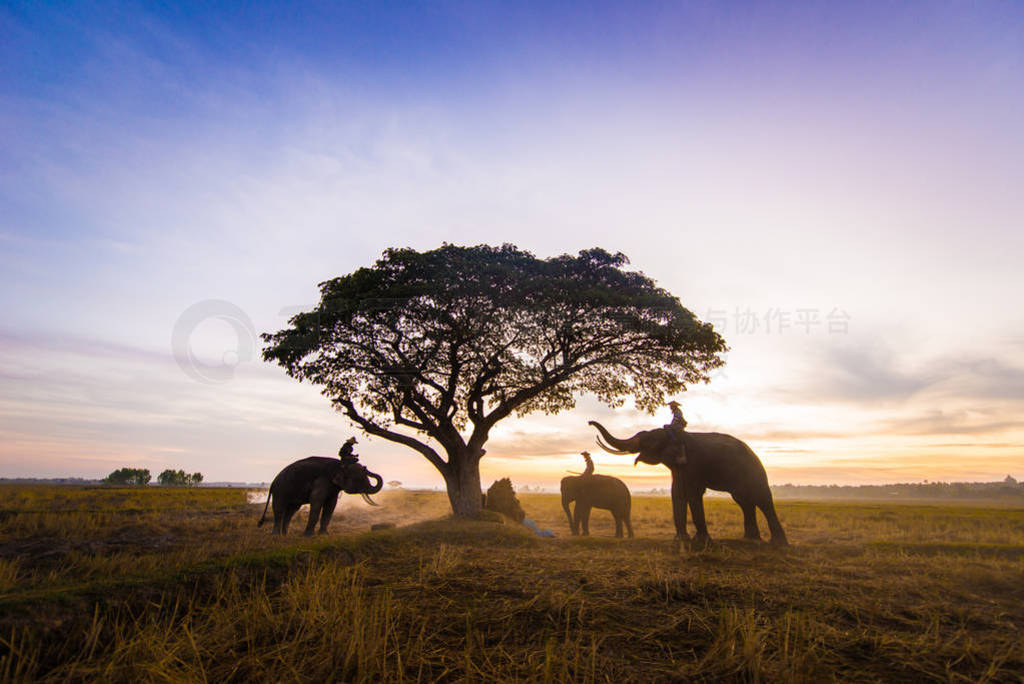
x,y
836,194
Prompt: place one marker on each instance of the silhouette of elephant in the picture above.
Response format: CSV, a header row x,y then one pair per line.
x,y
713,461
595,491
317,481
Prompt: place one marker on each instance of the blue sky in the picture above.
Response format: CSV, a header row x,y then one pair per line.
x,y
757,159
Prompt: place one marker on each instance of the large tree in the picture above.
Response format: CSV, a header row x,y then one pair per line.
x,y
432,349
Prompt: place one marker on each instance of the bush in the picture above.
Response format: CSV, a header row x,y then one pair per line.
x,y
502,499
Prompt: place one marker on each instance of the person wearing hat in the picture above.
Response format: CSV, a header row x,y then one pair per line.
x,y
677,427
345,452
590,463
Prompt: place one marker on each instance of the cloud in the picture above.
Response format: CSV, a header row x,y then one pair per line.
x,y
985,378
865,374
874,373
976,445
71,406
940,422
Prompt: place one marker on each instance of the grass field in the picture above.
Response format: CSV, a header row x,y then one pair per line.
x,y
179,585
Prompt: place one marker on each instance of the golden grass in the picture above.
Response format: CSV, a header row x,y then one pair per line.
x,y
866,592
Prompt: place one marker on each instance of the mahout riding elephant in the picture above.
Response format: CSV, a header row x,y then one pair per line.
x,y
713,461
317,481
595,491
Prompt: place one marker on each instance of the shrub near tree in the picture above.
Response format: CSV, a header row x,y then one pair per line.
x,y
128,476
431,350
179,478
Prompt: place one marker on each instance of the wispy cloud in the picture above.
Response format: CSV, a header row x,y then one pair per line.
x,y
940,422
150,163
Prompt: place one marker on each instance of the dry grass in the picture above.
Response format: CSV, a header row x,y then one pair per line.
x,y
186,588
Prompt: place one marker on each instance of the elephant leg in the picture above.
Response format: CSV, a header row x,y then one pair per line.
x,y
315,507
286,517
768,508
679,508
618,525
574,524
750,530
327,512
583,517
280,510
696,502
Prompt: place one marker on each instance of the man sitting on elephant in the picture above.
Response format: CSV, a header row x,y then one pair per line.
x,y
676,428
345,452
317,481
589,470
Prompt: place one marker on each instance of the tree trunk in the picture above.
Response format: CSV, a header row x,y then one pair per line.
x,y
463,484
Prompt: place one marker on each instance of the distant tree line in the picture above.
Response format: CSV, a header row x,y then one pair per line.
x,y
128,476
1007,489
179,478
141,476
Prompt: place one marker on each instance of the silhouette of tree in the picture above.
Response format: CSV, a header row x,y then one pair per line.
x,y
171,477
432,349
128,476
179,478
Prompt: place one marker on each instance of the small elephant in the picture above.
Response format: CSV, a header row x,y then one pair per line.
x,y
317,481
596,491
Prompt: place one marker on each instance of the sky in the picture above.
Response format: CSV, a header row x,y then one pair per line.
x,y
836,187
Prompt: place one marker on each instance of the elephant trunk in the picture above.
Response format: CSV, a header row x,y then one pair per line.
x,y
617,446
373,488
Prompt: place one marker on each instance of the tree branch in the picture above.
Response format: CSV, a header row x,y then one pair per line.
x,y
397,437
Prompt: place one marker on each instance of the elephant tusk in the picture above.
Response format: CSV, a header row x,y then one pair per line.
x,y
367,499
610,450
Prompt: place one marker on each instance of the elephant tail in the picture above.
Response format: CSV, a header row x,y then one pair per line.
x,y
263,518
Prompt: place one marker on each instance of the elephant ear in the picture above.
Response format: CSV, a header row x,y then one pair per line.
x,y
657,447
340,476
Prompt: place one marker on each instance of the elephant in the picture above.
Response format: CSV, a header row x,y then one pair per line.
x,y
595,491
713,461
317,481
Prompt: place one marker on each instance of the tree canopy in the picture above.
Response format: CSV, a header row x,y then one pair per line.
x,y
179,478
128,476
433,348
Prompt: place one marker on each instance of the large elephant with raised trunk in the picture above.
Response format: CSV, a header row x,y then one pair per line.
x,y
317,481
713,461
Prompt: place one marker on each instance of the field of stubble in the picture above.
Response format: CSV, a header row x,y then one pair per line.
x,y
179,585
